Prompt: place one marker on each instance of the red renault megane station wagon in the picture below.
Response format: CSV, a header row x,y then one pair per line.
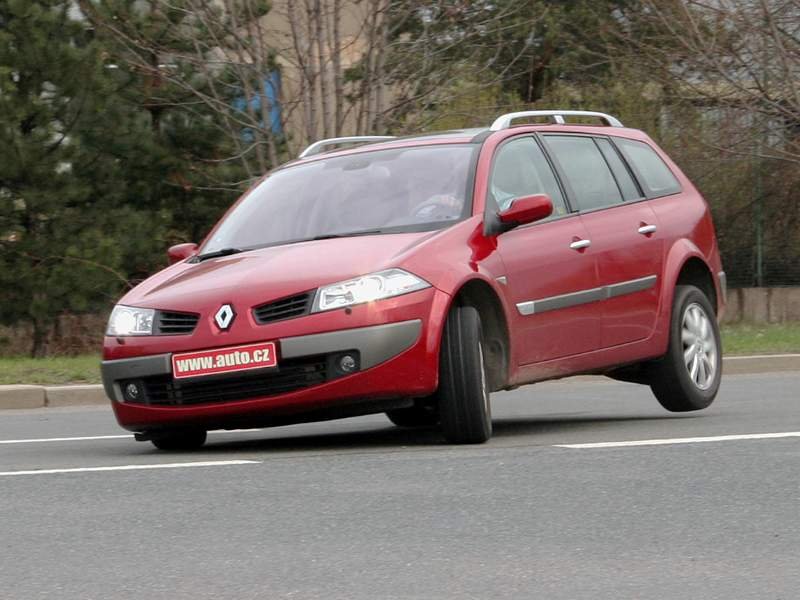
x,y
414,276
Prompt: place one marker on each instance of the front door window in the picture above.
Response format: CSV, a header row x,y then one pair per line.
x,y
521,169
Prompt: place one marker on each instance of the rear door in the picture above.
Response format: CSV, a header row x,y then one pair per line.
x,y
551,274
623,230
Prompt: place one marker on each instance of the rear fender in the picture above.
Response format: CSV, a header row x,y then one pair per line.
x,y
680,252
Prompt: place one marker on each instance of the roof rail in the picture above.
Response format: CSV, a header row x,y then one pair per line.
x,y
504,121
317,147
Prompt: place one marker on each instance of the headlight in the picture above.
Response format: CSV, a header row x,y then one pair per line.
x,y
376,286
129,320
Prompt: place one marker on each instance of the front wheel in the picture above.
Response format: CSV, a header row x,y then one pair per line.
x,y
687,377
464,409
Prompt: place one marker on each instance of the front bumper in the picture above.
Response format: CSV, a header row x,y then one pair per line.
x,y
373,345
395,360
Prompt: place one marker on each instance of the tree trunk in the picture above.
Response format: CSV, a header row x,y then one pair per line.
x,y
380,72
338,79
322,58
39,339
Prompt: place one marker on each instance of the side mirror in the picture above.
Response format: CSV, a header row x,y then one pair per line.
x,y
526,209
181,252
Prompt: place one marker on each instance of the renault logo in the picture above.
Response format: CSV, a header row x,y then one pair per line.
x,y
224,317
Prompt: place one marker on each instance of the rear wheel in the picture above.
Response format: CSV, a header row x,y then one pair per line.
x,y
464,408
687,377
180,440
419,415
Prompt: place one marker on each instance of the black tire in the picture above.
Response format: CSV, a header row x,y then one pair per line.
x,y
180,440
419,415
672,379
464,409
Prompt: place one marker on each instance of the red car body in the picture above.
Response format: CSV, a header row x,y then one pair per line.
x,y
497,273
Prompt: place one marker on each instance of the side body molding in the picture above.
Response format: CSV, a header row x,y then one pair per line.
x,y
605,292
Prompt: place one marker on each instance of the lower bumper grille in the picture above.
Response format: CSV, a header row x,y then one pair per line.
x,y
292,375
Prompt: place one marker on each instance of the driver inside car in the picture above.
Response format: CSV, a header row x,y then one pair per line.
x,y
439,207
446,205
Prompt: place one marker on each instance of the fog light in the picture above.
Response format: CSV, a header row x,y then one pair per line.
x,y
347,363
132,392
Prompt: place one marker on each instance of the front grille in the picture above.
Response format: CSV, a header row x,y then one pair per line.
x,y
285,308
175,323
292,375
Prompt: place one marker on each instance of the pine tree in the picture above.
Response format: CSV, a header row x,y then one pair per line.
x,y
48,72
94,182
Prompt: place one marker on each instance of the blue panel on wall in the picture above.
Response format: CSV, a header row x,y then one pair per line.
x,y
271,91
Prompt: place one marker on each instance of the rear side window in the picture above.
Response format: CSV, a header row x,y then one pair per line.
x,y
630,191
653,172
521,169
586,170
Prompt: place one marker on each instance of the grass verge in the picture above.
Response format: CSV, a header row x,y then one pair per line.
x,y
53,370
738,338
745,338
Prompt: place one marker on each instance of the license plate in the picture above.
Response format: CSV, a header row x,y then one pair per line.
x,y
224,360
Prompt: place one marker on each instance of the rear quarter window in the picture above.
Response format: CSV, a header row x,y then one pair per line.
x,y
628,187
651,169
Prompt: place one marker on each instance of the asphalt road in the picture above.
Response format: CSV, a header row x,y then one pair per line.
x,y
358,509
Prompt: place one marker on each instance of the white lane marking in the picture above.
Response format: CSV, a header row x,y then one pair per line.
x,y
66,439
214,463
692,440
101,437
751,356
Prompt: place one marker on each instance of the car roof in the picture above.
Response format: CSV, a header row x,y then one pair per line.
x,y
454,136
503,127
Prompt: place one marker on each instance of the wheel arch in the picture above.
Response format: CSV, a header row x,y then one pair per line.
x,y
695,271
480,294
685,264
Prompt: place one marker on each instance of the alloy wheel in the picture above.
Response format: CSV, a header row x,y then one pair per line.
x,y
700,352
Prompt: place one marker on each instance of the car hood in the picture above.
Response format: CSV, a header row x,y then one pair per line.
x,y
258,276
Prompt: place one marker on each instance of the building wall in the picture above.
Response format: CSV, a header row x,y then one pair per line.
x,y
763,305
303,113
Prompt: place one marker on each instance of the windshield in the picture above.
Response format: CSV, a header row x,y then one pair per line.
x,y
386,191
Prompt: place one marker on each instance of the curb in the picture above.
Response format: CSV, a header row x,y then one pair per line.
x,y
41,396
73,395
764,363
22,396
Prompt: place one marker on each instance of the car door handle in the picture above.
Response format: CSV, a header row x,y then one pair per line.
x,y
647,229
580,244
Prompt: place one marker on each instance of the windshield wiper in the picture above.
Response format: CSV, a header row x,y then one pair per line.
x,y
216,253
327,236
330,236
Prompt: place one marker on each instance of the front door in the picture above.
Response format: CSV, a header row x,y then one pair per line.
x,y
551,270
